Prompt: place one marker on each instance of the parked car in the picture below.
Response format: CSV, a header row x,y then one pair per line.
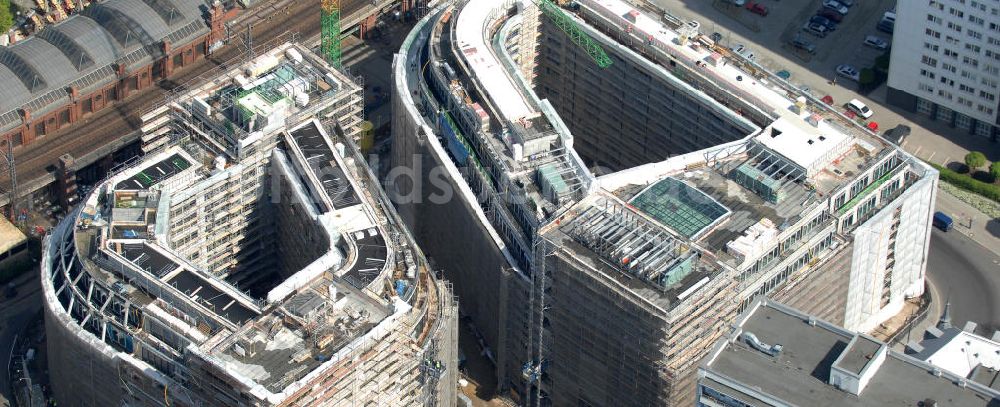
x,y
739,2
828,23
830,14
757,8
744,51
897,134
848,3
835,6
942,221
876,42
818,30
694,24
848,72
860,108
802,44
716,37
887,23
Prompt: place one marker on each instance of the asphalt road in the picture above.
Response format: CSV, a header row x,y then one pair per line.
x,y
968,275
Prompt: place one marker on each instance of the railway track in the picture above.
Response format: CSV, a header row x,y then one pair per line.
x,y
107,131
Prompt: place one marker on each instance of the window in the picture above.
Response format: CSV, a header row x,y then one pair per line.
x,y
963,122
970,61
955,27
950,40
929,74
968,75
929,61
932,33
956,13
950,53
925,87
946,81
925,107
973,48
986,95
178,60
88,106
976,20
930,46
974,34
995,27
948,67
933,18
64,117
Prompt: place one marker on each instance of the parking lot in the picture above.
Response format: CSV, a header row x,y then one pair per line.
x,y
769,38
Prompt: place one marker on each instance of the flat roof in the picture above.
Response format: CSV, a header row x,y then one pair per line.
x,y
10,235
318,153
470,33
156,173
202,292
799,374
679,206
371,256
960,352
802,144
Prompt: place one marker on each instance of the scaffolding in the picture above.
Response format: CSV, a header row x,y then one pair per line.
x,y
580,38
330,34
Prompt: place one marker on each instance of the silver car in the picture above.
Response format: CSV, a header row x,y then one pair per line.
x,y
876,42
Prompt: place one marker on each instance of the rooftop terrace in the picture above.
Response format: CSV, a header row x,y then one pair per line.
x,y
605,234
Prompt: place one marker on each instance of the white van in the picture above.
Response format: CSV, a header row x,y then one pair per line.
x,y
860,108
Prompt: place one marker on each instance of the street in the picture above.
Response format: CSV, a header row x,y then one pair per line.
x,y
768,37
968,275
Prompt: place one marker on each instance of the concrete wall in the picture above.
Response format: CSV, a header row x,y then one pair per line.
x,y
628,114
454,238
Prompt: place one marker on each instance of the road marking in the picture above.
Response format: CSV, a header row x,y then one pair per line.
x,y
931,156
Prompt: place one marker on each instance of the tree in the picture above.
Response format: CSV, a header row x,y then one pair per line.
x,y
6,16
995,170
975,160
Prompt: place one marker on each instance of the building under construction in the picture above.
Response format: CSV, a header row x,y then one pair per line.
x,y
249,259
623,187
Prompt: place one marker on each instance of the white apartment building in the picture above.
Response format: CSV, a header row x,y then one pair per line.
x,y
945,62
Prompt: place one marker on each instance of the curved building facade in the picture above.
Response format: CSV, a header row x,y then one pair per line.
x,y
249,259
624,187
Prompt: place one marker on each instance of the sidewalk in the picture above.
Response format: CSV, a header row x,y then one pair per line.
x,y
984,230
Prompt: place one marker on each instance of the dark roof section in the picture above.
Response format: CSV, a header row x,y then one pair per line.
x,y
202,292
148,259
320,157
36,72
155,173
372,254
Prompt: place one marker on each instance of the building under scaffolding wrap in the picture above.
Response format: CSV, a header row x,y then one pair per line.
x,y
248,259
616,217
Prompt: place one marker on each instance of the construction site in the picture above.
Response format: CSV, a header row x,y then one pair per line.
x,y
624,188
249,258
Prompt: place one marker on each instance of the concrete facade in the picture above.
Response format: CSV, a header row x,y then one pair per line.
x,y
744,186
945,63
155,293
